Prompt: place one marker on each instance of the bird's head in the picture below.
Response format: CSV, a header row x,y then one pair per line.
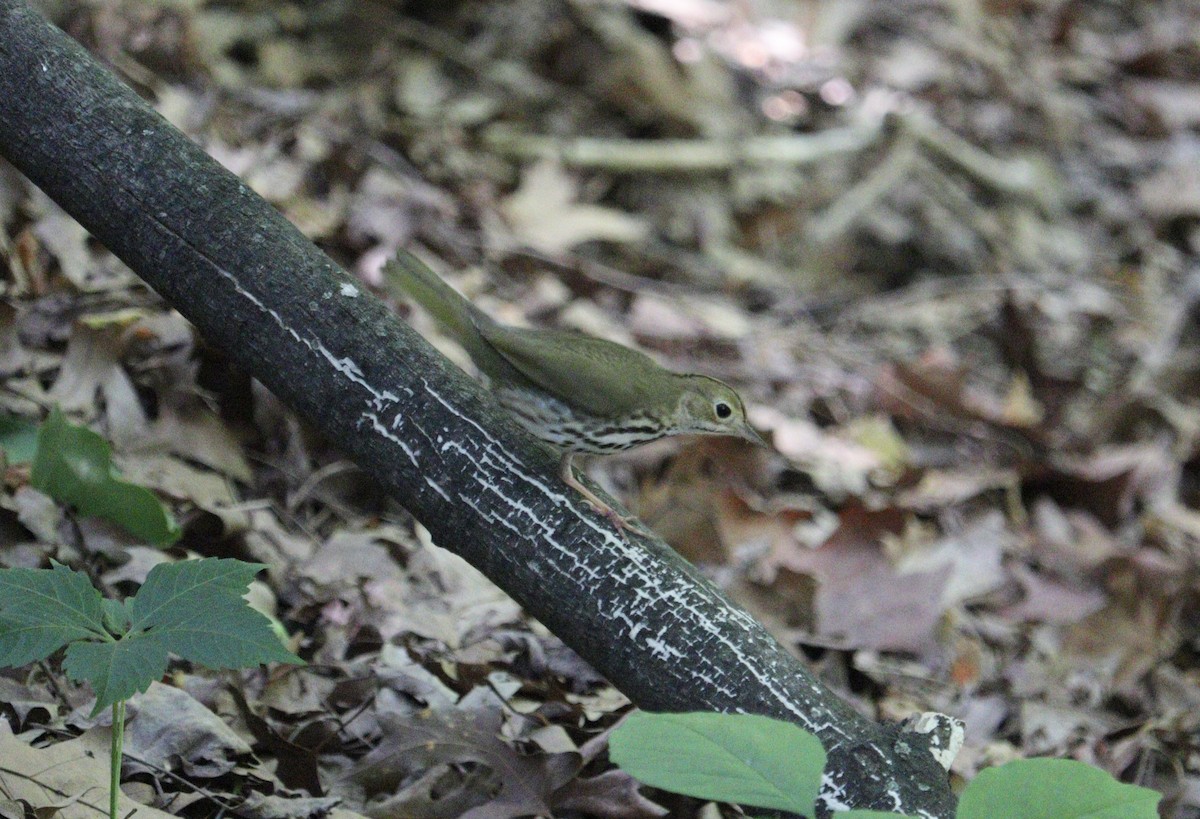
x,y
709,407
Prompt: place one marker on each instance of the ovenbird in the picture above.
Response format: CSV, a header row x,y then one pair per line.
x,y
577,393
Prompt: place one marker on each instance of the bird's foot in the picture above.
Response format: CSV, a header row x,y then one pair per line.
x,y
624,523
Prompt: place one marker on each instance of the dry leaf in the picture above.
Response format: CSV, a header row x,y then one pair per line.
x,y
545,214
73,774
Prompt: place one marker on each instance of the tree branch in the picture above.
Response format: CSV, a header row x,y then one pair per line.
x,y
256,287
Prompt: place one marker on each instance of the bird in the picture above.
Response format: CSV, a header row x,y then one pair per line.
x,y
580,394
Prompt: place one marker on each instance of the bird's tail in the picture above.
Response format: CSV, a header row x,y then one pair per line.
x,y
458,317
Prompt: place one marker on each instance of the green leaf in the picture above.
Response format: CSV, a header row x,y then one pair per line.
x,y
117,670
741,758
18,438
116,616
74,465
198,608
1054,789
42,610
193,608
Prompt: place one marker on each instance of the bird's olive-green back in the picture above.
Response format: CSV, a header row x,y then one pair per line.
x,y
600,377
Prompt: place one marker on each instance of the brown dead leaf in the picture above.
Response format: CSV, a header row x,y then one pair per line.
x,y
938,385
413,746
454,599
29,702
67,241
1048,599
71,774
683,319
612,794
842,463
541,656
1174,190
37,512
599,704
1120,643
1056,729
14,358
863,600
545,213
139,560
972,553
654,317
196,433
91,370
941,488
697,505
282,806
1071,543
294,751
784,602
1109,482
167,727
347,558
269,541
175,478
1020,408
390,209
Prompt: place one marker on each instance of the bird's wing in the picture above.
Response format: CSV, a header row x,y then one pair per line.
x,y
600,377
461,320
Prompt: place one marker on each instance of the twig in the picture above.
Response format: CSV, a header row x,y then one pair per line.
x,y
1016,176
836,219
683,155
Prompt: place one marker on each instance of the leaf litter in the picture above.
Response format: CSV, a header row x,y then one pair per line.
x,y
948,254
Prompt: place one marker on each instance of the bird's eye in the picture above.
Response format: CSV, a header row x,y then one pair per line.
x,y
722,409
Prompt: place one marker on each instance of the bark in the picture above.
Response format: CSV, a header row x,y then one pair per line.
x,y
254,286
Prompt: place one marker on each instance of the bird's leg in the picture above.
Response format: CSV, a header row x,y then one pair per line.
x,y
618,520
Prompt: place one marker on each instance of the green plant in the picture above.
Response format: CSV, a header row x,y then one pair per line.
x,y
766,763
74,465
18,438
193,609
741,758
1054,789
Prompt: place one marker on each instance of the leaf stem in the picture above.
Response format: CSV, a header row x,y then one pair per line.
x,y
118,739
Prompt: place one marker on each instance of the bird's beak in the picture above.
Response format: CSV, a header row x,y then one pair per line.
x,y
748,433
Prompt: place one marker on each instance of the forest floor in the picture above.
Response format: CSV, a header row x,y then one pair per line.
x,y
948,252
